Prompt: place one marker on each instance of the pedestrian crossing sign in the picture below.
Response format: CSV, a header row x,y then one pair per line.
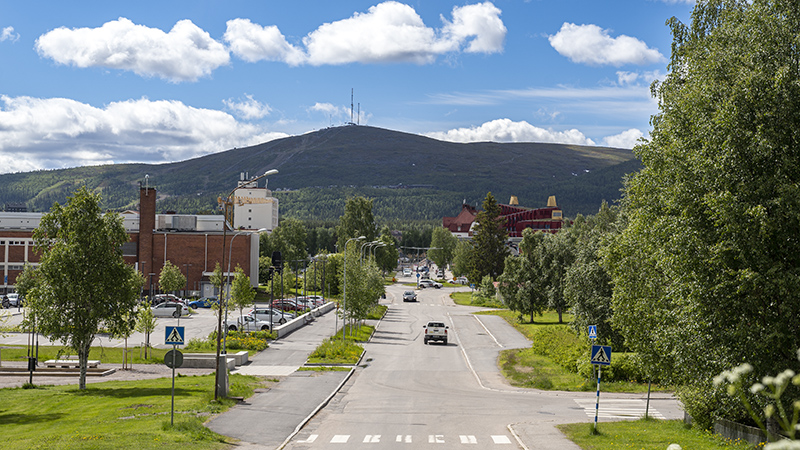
x,y
592,331
601,355
175,336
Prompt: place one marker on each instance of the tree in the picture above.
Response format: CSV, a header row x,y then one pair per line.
x,y
290,239
707,271
145,323
489,242
443,246
387,255
522,283
82,281
462,259
171,279
242,294
557,257
356,221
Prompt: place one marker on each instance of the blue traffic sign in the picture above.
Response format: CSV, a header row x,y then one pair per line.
x,y
592,331
601,355
175,336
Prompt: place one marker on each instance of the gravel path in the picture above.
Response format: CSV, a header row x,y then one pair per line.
x,y
137,372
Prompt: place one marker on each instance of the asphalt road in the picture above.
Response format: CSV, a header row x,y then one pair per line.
x,y
410,395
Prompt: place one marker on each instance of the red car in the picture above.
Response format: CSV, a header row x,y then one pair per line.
x,y
286,305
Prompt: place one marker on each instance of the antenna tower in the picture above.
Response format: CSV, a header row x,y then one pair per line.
x,y
351,106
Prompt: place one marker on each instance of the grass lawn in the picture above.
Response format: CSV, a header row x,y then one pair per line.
x,y
117,414
645,435
468,299
337,351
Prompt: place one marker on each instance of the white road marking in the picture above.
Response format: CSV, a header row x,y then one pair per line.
x,y
309,439
372,439
436,439
488,332
340,439
468,439
502,439
407,438
618,408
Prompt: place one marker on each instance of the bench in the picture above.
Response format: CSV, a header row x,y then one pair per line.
x,y
70,363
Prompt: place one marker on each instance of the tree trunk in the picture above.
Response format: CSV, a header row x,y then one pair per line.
x,y
83,361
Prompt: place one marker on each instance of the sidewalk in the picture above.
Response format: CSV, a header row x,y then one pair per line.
x,y
267,419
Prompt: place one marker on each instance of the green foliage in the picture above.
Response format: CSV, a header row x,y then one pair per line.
x,y
336,351
462,259
242,294
522,284
386,256
171,279
82,281
443,245
145,323
486,288
254,341
356,221
707,273
488,241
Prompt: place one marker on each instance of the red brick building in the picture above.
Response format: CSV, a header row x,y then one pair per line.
x,y
516,218
192,243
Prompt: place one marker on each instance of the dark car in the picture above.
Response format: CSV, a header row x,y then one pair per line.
x,y
409,296
286,305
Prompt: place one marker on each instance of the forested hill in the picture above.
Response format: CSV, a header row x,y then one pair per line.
x,y
411,177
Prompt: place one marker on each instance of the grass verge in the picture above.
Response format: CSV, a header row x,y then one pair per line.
x,y
336,350
469,299
117,414
647,434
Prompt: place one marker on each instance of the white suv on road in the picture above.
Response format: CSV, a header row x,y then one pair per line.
x,y
429,283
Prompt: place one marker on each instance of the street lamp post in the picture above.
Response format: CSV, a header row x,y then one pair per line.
x,y
228,284
344,293
218,385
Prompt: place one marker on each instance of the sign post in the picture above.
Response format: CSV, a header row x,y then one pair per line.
x,y
173,359
601,356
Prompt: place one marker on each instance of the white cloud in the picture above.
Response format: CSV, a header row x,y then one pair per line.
x,y
630,78
8,34
626,139
589,44
248,108
506,130
253,43
389,32
38,133
186,53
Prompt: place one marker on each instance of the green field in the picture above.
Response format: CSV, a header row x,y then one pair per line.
x,y
116,414
646,435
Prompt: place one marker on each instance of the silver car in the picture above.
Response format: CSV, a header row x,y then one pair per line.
x,y
249,323
170,309
278,316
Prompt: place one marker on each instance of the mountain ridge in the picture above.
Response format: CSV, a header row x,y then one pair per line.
x,y
348,158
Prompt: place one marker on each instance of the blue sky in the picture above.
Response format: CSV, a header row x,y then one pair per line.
x,y
99,82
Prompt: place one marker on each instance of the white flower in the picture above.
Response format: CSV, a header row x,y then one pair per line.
x,y
674,447
783,445
756,388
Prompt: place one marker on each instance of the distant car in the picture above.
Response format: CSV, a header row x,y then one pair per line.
x,y
318,299
435,331
250,323
278,317
462,280
429,284
406,272
409,296
170,309
205,302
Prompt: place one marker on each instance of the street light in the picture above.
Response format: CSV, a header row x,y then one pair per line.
x,y
228,284
344,293
217,374
366,244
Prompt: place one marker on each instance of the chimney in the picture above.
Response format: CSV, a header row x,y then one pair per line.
x,y
147,223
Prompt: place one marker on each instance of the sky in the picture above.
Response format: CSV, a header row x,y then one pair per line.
x,y
104,82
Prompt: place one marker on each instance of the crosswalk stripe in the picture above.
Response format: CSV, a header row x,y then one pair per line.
x,y
618,408
501,439
468,439
407,438
340,439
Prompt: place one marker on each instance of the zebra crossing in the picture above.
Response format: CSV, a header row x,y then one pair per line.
x,y
616,408
409,439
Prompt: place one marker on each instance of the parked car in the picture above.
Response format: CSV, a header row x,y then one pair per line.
x,y
13,299
318,299
286,304
462,280
279,317
429,284
161,298
246,323
204,302
170,309
409,296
